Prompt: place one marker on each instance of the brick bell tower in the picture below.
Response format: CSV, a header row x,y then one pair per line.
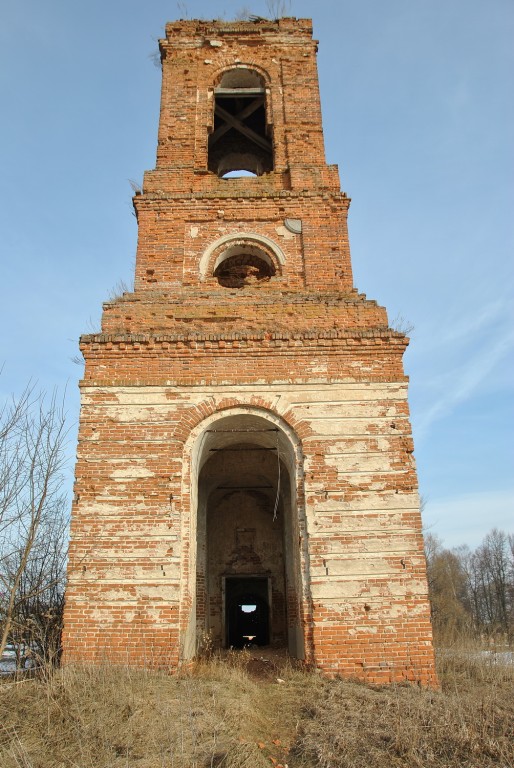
x,y
245,468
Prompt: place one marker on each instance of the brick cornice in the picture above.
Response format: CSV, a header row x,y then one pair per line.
x,y
309,338
258,193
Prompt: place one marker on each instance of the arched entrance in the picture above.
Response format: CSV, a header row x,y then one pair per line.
x,y
248,561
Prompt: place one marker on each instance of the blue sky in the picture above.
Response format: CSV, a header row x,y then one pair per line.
x,y
418,114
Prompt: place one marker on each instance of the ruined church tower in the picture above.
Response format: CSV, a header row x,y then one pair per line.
x,y
245,466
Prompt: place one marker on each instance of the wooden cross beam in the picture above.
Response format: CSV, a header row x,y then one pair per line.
x,y
233,121
246,112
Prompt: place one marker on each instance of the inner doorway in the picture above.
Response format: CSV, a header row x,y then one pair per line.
x,y
247,611
245,547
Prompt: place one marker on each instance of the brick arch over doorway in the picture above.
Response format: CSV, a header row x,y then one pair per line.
x,y
245,533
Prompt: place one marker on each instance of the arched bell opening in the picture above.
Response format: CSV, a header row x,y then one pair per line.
x,y
240,138
248,571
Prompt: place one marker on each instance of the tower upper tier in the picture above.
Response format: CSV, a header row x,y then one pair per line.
x,y
240,96
265,251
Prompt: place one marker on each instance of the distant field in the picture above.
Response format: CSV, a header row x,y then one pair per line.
x,y
251,710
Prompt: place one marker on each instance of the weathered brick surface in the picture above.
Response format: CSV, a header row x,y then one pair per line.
x,y
189,380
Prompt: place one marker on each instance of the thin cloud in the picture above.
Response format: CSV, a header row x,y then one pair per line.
x,y
481,319
460,519
464,381
463,325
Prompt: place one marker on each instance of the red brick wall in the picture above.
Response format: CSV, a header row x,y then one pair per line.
x,y
304,351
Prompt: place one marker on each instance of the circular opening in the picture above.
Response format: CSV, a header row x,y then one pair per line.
x,y
243,269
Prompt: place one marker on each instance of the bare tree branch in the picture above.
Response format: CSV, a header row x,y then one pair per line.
x,y
32,507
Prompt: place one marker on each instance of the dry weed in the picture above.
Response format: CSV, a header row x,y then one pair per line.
x,y
230,712
470,722
85,717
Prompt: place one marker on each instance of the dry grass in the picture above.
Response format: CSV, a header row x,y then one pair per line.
x,y
470,722
232,713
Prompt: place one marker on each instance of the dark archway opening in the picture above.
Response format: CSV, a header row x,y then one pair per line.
x,y
247,611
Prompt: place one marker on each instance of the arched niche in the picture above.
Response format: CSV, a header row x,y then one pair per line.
x,y
241,265
242,259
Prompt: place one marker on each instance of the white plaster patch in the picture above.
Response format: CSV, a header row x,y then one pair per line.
x,y
148,396
336,521
138,413
397,543
369,502
371,446
361,566
347,409
321,368
362,463
337,427
284,232
131,472
342,589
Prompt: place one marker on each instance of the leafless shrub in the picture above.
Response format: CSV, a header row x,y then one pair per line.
x,y
451,618
401,325
490,581
119,289
277,9
136,187
33,522
243,14
94,325
183,9
155,55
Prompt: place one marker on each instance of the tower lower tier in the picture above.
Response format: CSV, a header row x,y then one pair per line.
x,y
242,506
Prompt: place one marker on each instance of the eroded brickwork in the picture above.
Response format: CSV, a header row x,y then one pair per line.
x,y
244,411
